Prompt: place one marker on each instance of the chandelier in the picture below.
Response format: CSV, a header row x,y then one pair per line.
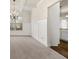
x,y
13,14
16,19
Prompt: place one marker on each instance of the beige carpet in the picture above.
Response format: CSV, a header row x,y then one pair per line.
x,y
29,48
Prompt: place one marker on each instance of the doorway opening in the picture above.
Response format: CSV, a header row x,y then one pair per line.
x,y
57,27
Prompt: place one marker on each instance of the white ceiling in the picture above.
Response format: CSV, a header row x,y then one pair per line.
x,y
31,2
27,5
21,5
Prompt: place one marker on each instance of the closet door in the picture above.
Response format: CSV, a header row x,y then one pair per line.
x,y
53,24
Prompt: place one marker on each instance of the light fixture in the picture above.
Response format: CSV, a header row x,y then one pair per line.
x,y
13,14
15,17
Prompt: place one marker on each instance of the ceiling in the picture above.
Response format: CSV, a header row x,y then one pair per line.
x,y
27,5
21,5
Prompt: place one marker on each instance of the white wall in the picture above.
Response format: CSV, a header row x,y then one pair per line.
x,y
26,21
53,25
64,34
39,31
39,20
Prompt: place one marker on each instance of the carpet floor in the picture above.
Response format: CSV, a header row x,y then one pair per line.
x,y
29,48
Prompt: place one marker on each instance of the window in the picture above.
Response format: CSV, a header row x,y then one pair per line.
x,y
64,23
16,23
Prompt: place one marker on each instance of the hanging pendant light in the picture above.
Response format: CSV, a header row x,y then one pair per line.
x,y
13,13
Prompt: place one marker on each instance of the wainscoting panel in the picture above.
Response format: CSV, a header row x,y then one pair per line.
x,y
39,31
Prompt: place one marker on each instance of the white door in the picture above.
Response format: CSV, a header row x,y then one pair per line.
x,y
53,24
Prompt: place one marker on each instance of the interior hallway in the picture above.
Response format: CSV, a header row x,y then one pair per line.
x,y
29,48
